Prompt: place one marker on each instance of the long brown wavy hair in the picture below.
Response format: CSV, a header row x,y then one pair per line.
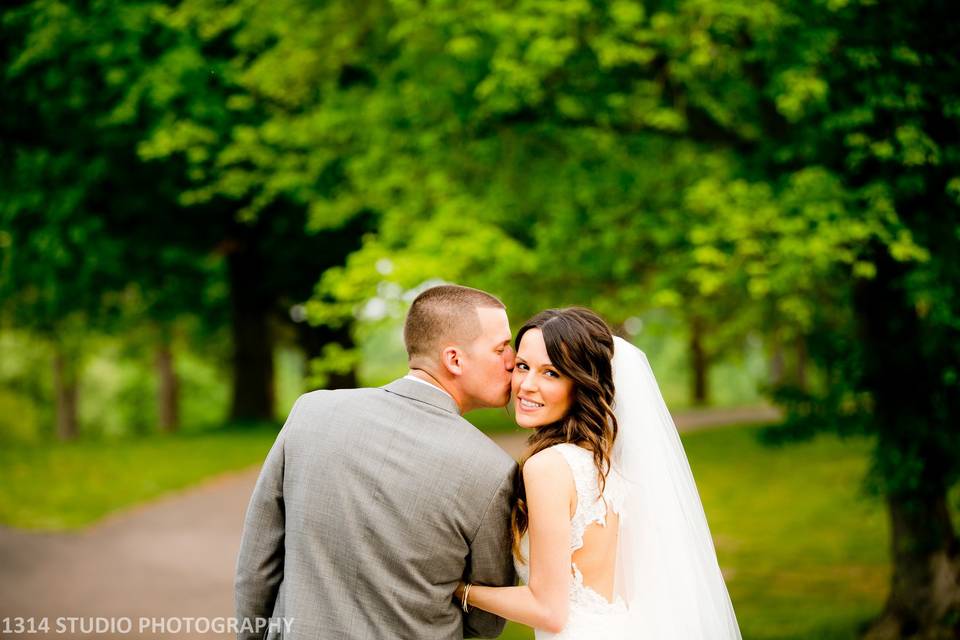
x,y
580,346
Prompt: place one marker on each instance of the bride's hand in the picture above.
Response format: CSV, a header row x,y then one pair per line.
x,y
458,593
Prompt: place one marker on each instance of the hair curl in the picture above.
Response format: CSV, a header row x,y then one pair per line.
x,y
580,346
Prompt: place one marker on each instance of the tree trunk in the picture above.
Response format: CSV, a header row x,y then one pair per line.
x,y
251,304
801,367
900,371
777,368
168,389
924,601
699,363
65,391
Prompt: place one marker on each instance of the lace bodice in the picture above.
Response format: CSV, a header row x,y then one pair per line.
x,y
591,508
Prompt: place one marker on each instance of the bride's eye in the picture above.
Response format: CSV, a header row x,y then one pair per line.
x,y
522,366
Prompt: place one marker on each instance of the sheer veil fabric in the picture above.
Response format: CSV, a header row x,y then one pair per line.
x,y
667,568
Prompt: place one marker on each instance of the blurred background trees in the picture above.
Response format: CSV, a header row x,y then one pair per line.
x,y
224,179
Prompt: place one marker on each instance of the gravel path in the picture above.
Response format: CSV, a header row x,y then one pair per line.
x,y
168,560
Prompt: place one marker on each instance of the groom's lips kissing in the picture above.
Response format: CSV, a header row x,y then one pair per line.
x,y
528,406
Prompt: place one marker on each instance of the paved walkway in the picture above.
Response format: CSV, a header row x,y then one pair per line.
x,y
172,558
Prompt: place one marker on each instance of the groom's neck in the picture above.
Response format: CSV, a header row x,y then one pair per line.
x,y
425,376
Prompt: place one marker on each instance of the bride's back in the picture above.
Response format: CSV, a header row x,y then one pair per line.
x,y
595,523
597,558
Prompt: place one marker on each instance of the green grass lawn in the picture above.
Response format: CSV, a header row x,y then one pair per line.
x,y
67,485
805,554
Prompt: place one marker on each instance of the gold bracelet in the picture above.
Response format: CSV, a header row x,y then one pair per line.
x,y
466,593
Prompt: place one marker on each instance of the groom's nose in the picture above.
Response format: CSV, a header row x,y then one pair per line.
x,y
509,358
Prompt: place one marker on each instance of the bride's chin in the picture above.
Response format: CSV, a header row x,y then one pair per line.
x,y
524,424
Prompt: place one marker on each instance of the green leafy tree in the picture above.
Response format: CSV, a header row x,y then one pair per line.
x,y
854,155
60,263
165,107
226,101
96,242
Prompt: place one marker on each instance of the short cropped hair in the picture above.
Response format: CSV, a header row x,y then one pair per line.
x,y
444,314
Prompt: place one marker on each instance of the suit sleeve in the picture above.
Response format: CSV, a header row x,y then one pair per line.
x,y
491,559
260,561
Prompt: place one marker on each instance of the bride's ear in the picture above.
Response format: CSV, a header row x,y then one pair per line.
x,y
450,358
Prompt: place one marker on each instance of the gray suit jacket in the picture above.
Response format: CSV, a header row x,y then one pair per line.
x,y
371,505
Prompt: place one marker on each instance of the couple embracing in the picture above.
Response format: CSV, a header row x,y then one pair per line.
x,y
382,513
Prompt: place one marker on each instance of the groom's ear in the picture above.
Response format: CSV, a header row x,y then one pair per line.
x,y
450,359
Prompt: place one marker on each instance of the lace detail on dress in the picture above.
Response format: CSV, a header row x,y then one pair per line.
x,y
582,597
591,507
586,599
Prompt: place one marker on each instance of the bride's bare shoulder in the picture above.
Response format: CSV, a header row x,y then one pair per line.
x,y
546,465
548,480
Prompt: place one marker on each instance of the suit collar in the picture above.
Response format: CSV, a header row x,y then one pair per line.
x,y
425,393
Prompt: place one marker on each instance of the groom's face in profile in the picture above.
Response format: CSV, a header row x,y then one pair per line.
x,y
489,363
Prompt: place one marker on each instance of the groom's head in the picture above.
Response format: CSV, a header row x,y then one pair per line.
x,y
461,337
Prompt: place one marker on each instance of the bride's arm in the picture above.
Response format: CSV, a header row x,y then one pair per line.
x,y
543,603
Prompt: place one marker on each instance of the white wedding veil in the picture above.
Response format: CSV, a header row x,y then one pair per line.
x,y
667,569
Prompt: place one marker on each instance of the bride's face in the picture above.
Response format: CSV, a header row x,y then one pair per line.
x,y
542,395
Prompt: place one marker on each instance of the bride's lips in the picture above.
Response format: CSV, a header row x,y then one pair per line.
x,y
528,406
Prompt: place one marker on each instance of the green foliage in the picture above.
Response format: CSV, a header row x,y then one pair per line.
x,y
118,388
89,243
23,394
110,215
749,165
58,176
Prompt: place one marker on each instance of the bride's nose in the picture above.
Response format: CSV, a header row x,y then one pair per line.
x,y
528,381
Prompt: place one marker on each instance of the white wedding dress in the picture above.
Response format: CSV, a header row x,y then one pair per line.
x,y
591,616
668,583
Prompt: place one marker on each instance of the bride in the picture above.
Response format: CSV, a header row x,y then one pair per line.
x,y
610,537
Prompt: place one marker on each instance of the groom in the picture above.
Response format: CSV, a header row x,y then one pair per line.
x,y
373,503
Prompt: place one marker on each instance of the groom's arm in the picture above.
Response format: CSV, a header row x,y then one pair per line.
x,y
260,561
491,559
